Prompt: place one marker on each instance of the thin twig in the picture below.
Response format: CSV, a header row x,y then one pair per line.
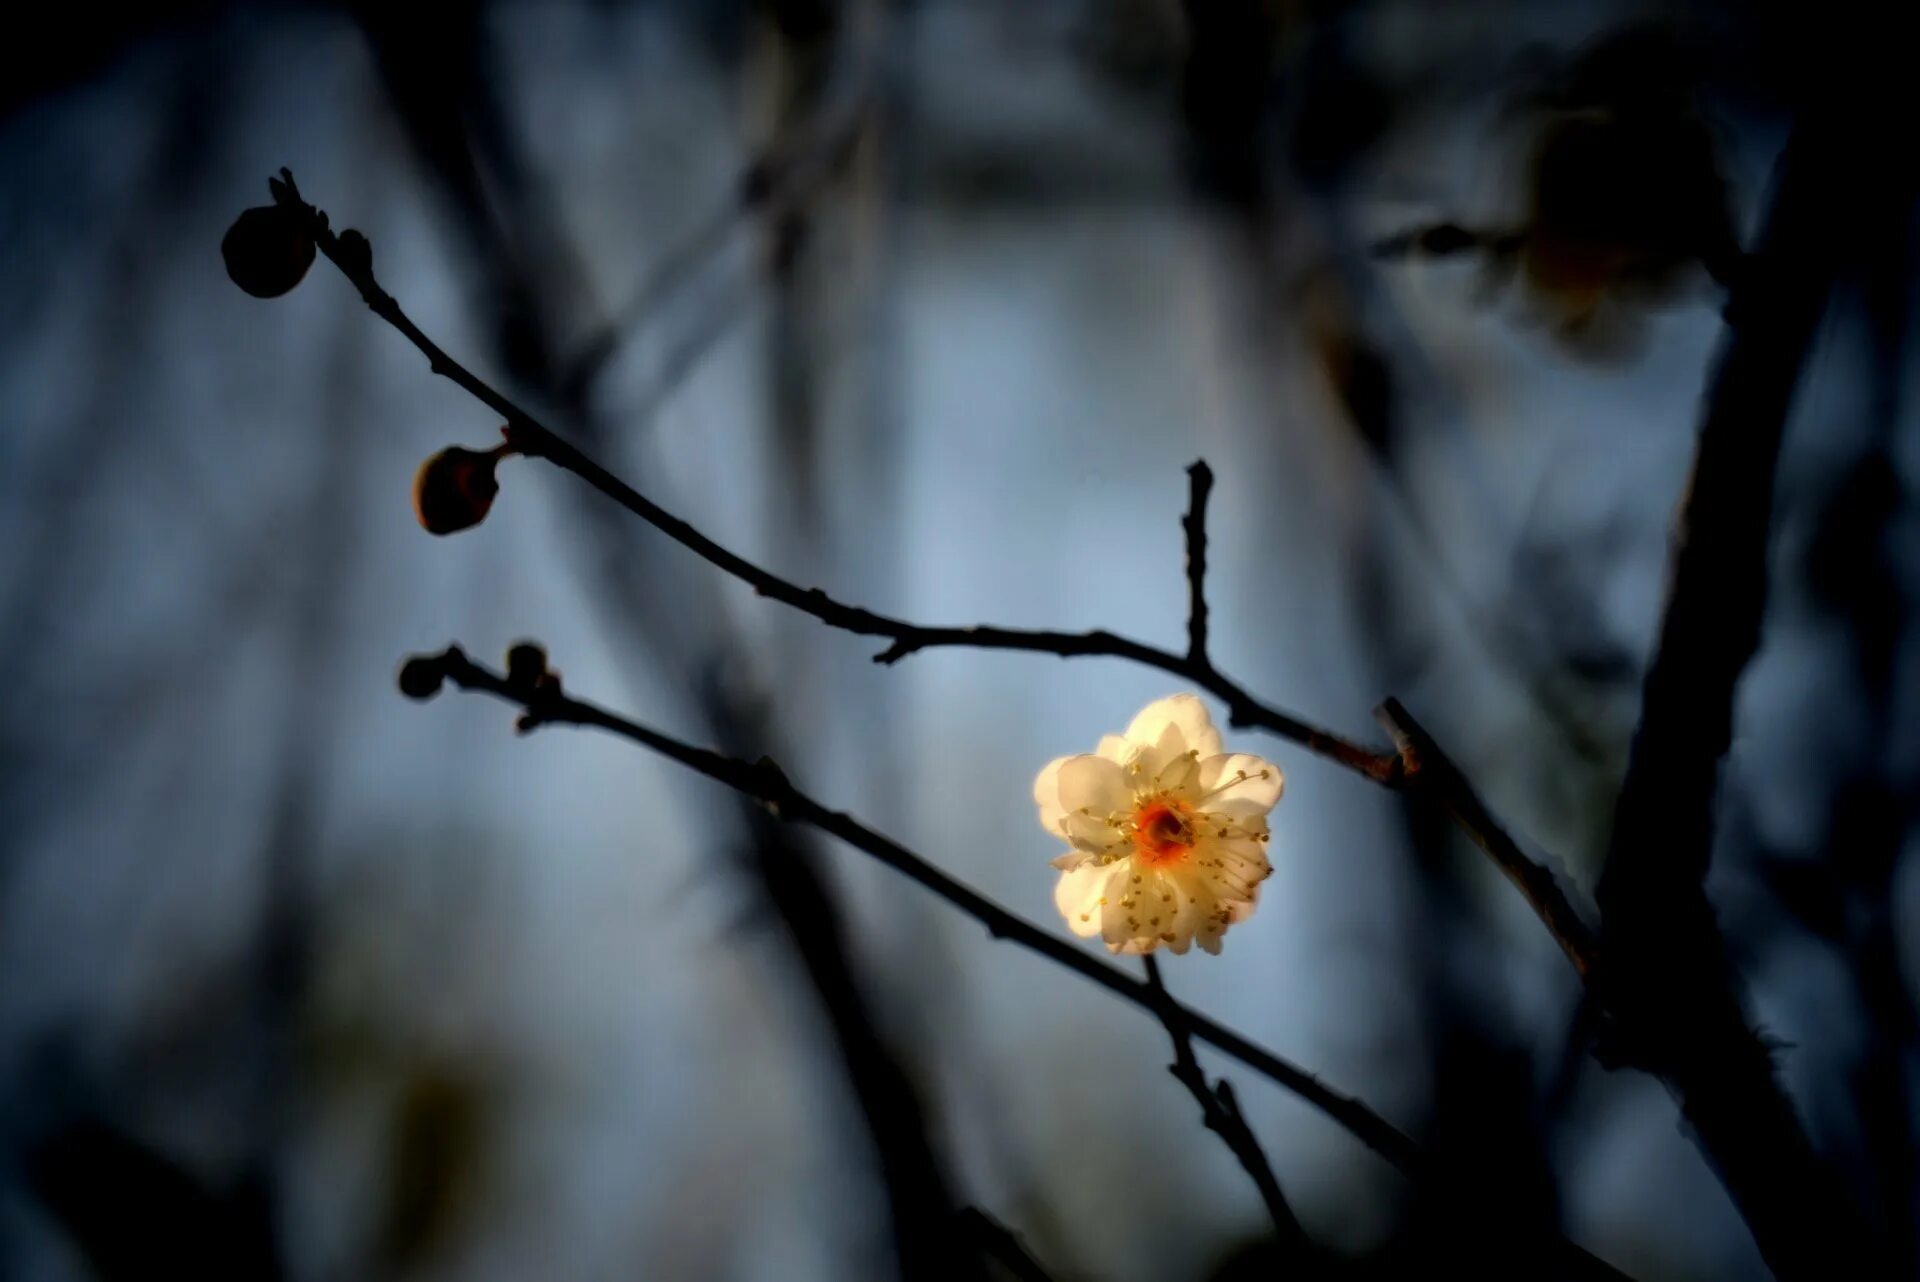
x,y
352,255
765,782
543,703
1429,767
354,259
1199,486
526,434
1221,1111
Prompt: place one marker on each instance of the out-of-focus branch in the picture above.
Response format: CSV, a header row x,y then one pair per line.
x,y
1221,1112
1670,992
779,180
999,1243
543,702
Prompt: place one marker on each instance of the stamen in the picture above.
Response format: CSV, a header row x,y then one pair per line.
x,y
1162,831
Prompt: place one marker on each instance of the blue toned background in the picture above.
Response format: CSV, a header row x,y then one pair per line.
x,y
426,999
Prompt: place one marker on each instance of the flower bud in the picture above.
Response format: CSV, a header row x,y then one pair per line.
x,y
421,676
453,489
267,250
355,254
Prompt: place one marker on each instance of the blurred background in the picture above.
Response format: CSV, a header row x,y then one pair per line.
x,y
928,302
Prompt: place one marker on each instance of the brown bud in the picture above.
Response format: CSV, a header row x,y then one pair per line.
x,y
453,489
421,676
355,253
526,663
267,250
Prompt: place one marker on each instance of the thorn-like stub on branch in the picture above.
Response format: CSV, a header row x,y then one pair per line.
x,y
422,675
529,676
772,784
454,489
521,439
267,250
526,663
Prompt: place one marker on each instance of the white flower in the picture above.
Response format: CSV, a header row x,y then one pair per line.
x,y
1168,832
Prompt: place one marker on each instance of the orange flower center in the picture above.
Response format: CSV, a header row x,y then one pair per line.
x,y
1162,836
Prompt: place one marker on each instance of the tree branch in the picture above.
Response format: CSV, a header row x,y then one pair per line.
x,y
350,252
1668,987
1429,767
1200,485
1221,1112
352,255
543,702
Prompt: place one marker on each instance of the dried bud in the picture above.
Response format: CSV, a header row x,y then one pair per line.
x,y
453,489
526,663
267,250
355,253
421,676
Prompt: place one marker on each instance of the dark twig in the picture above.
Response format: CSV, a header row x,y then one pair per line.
x,y
1199,486
350,252
543,703
1221,1112
1429,768
546,704
352,255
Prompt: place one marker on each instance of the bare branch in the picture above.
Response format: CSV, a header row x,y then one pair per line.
x,y
543,702
350,252
1428,768
1221,1112
1200,485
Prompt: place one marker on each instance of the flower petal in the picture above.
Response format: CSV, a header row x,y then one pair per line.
x,y
1046,795
1115,748
1093,786
1078,897
1239,784
1184,711
1232,872
1095,833
1178,771
1145,910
